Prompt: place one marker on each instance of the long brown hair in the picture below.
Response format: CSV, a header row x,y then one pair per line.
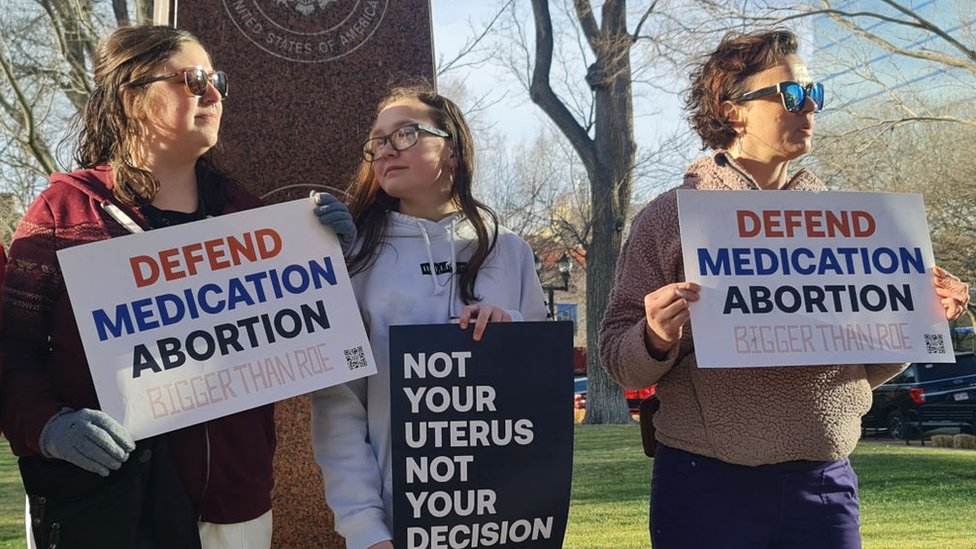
x,y
111,121
370,205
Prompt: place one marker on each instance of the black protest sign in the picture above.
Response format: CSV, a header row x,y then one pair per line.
x,y
482,435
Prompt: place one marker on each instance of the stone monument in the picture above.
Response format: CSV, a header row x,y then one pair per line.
x,y
305,77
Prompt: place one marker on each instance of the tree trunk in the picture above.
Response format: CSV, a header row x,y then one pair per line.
x,y
610,187
609,159
605,402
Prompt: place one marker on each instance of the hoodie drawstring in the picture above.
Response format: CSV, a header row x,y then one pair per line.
x,y
454,270
438,288
443,275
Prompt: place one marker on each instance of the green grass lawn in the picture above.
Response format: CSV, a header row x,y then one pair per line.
x,y
11,501
911,497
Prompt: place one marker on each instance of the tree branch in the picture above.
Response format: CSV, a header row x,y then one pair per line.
x,y
584,12
543,95
926,56
470,46
847,18
650,9
22,112
934,29
78,86
121,10
841,13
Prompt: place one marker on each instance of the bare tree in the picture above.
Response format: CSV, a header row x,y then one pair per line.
x,y
524,183
918,158
474,53
600,130
46,48
579,74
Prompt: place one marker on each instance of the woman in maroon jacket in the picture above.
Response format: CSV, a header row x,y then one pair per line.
x,y
3,265
145,147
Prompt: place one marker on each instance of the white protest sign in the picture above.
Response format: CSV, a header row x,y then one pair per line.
x,y
198,321
806,278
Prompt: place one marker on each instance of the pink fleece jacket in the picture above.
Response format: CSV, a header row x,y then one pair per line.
x,y
747,416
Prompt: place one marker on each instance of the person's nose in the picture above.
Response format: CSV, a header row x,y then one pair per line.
x,y
809,105
387,148
211,96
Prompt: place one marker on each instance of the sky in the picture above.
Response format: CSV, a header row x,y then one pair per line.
x,y
656,115
452,26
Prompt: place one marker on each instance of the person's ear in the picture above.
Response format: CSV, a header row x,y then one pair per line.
x,y
452,159
129,98
735,115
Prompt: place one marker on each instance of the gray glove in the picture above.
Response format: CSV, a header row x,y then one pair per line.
x,y
87,438
333,213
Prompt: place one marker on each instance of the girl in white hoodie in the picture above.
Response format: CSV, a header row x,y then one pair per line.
x,y
428,252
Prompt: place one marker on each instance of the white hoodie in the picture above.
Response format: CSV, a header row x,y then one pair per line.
x,y
352,439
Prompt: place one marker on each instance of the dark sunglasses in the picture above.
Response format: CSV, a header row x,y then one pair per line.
x,y
195,80
794,95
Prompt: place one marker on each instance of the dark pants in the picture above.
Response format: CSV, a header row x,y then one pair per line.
x,y
704,503
140,506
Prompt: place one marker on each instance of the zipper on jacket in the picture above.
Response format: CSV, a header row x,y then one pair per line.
x,y
206,475
749,179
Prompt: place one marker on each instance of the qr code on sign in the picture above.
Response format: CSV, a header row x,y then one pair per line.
x,y
934,344
355,358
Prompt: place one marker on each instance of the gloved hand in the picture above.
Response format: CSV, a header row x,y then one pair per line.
x,y
87,438
333,213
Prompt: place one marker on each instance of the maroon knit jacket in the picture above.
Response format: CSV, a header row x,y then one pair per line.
x,y
226,464
3,269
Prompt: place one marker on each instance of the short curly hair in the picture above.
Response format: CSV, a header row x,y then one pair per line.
x,y
721,75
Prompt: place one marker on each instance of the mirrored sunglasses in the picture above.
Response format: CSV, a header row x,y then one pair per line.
x,y
195,81
794,95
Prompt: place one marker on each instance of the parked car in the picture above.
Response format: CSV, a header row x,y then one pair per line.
x,y
579,361
926,396
634,398
579,393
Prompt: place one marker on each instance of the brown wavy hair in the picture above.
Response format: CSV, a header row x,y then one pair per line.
x,y
721,76
112,121
370,205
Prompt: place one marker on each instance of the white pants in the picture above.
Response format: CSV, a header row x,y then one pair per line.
x,y
27,524
253,534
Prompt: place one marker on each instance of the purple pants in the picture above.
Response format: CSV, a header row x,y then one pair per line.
x,y
704,503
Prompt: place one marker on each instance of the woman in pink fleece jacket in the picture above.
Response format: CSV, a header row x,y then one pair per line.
x,y
750,458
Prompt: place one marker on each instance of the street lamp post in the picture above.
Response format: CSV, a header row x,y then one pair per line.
x,y
565,265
